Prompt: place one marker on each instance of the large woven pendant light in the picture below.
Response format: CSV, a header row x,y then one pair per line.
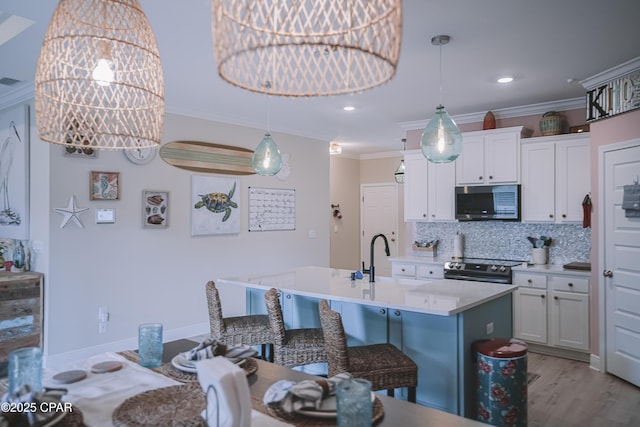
x,y
307,47
99,79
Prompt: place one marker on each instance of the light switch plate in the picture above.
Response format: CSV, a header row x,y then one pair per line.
x,y
105,216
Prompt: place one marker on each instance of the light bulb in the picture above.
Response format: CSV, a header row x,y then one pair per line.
x,y
103,74
266,158
441,140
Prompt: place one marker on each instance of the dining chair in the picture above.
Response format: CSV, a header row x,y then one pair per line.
x,y
292,347
251,329
383,364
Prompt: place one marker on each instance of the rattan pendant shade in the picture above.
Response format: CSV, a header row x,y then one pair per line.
x,y
307,47
75,104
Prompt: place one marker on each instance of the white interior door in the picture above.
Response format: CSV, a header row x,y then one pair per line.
x,y
621,273
379,215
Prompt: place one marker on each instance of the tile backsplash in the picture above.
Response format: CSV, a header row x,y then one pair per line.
x,y
508,240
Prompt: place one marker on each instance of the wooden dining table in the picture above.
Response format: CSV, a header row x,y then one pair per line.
x,y
396,412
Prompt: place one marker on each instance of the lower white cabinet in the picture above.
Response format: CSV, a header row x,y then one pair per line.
x,y
552,309
417,269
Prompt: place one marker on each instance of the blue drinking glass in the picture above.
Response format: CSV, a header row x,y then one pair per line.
x,y
354,404
25,368
150,344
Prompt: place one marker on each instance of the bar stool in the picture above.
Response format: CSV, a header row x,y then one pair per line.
x,y
249,330
383,364
293,347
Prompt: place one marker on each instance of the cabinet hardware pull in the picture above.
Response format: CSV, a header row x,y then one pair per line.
x,y
550,215
402,270
564,215
542,296
424,215
288,296
480,177
529,281
433,215
430,272
397,312
278,294
490,176
555,298
383,311
570,284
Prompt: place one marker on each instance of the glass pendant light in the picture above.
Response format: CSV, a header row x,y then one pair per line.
x,y
399,173
441,139
266,159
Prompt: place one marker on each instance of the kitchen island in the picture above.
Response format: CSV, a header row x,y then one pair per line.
x,y
434,322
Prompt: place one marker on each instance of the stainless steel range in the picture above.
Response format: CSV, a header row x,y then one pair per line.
x,y
481,270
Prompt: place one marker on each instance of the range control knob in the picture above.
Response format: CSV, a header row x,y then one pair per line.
x,y
494,268
503,269
458,266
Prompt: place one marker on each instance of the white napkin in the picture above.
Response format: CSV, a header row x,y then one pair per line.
x,y
210,348
307,394
230,404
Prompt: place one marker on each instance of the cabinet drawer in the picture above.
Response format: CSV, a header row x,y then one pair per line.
x,y
429,271
530,280
403,270
569,284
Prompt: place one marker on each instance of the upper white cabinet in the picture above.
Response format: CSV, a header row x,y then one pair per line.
x,y
490,157
428,189
555,178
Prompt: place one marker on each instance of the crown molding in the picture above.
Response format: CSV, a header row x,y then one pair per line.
x,y
611,74
505,113
24,92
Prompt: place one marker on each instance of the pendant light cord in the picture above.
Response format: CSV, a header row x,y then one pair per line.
x,y
440,77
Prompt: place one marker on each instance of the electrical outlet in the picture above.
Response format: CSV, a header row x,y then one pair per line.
x,y
103,319
489,328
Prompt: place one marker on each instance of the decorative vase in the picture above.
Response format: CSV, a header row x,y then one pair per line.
x,y
489,121
18,256
552,123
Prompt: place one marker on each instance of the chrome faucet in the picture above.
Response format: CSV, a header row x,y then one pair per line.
x,y
372,269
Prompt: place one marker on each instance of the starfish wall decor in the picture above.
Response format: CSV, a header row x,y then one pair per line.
x,y
71,213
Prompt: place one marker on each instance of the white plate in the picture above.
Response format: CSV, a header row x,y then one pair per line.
x,y
186,365
327,408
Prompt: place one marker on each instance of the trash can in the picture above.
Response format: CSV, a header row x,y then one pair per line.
x,y
502,382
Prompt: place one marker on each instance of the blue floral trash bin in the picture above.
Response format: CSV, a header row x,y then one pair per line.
x,y
502,382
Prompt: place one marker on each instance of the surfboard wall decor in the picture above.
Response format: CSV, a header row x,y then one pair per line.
x,y
205,157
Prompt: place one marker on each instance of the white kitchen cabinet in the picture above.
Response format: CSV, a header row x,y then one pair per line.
x,y
555,178
428,189
551,308
490,157
417,269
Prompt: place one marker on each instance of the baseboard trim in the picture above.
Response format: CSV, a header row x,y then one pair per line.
x,y
126,344
595,363
559,352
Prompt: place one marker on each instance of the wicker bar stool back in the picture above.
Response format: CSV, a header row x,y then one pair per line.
x,y
383,364
292,347
249,330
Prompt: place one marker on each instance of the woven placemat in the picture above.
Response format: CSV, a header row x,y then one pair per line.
x,y
73,418
299,420
250,366
178,405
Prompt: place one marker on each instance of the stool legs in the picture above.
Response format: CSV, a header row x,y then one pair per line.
x,y
411,394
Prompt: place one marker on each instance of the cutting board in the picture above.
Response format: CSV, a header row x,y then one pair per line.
x,y
205,157
582,266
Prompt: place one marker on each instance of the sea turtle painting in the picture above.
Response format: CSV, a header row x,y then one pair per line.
x,y
218,202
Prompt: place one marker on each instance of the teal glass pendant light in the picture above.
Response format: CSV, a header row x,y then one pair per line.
x,y
441,139
267,159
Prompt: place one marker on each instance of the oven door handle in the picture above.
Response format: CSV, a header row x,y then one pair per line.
x,y
504,280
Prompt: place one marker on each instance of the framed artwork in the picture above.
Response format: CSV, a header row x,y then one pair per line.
x,y
14,173
215,206
79,151
104,185
155,209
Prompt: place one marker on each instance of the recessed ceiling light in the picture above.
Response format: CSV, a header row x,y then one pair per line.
x,y
349,108
505,79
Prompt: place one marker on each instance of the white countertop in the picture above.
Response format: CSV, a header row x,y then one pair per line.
x,y
419,259
442,297
551,269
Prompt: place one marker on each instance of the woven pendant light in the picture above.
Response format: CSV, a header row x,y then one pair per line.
x,y
307,47
99,79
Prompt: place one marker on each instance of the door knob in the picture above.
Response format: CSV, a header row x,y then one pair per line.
x,y
607,273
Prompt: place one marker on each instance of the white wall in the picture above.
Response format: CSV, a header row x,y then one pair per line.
x,y
146,275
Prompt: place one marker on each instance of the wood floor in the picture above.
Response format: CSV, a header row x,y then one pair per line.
x,y
569,393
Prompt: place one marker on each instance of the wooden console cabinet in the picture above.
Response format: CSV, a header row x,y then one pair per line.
x,y
21,317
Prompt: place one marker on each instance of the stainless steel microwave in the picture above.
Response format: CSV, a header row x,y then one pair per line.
x,y
488,202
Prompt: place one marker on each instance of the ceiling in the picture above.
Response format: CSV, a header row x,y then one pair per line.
x,y
547,45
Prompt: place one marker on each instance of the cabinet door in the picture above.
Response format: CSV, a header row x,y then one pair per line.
x,y
538,182
502,158
363,324
441,191
569,317
573,168
415,187
530,315
429,271
470,163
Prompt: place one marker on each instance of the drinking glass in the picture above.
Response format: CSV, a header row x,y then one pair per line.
x,y
354,407
25,368
150,344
